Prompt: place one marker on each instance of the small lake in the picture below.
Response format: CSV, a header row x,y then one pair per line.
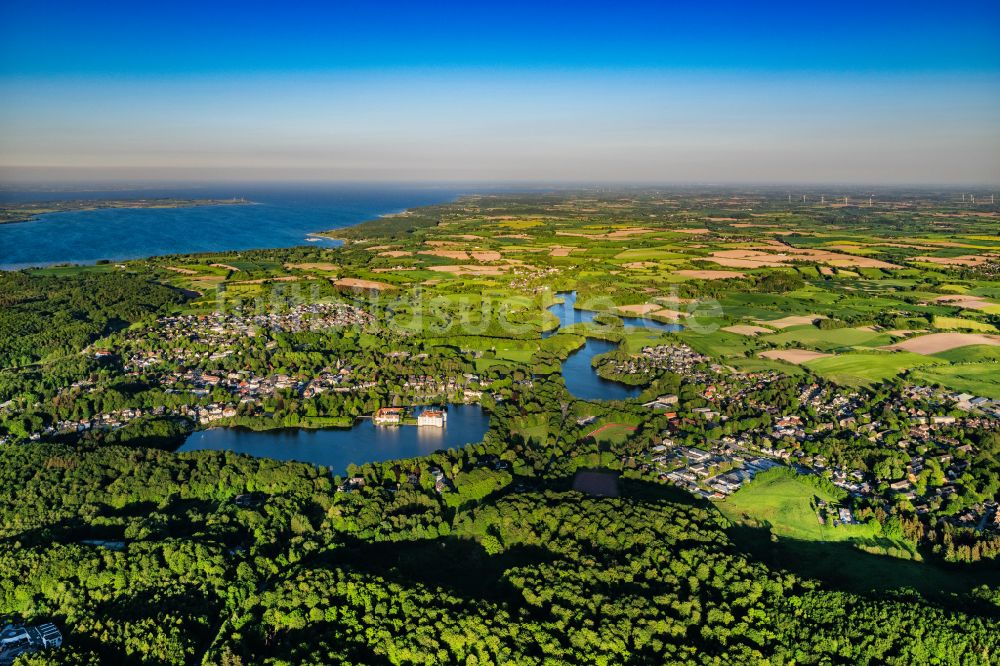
x,y
577,370
337,448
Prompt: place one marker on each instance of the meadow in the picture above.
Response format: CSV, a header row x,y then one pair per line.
x,y
786,504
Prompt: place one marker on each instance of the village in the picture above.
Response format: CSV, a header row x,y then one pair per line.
x,y
731,426
720,467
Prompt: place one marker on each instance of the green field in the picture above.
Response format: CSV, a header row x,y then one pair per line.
x,y
981,379
860,369
828,340
782,501
763,365
718,343
952,323
970,354
649,254
612,433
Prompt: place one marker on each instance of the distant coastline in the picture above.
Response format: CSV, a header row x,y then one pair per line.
x,y
30,211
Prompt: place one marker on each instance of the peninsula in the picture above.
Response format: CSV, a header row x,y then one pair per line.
x,y
29,211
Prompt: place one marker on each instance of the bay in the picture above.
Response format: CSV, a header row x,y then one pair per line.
x,y
279,216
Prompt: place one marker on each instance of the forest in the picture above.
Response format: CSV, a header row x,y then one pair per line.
x,y
306,575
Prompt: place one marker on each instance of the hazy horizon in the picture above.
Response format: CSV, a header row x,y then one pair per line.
x,y
896,95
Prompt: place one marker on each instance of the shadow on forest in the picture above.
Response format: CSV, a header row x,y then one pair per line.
x,y
841,565
154,605
629,489
67,530
172,521
648,491
460,566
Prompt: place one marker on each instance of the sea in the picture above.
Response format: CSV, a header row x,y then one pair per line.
x,y
276,216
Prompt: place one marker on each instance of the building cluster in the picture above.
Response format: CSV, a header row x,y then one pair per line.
x,y
16,640
925,425
428,417
712,474
189,339
677,358
219,326
110,421
834,515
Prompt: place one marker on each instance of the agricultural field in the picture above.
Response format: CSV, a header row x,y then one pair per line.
x,y
974,378
861,369
775,285
949,323
829,339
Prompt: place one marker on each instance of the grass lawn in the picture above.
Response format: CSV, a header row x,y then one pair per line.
x,y
535,432
783,503
859,369
517,355
483,364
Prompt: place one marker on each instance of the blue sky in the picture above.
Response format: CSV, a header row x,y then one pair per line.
x,y
671,92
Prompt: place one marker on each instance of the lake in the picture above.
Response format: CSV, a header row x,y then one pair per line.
x,y
578,370
336,448
280,216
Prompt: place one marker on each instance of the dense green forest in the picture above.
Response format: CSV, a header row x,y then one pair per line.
x,y
307,575
43,316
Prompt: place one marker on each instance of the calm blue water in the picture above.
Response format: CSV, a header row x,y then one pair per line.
x,y
577,369
281,216
336,448
584,383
